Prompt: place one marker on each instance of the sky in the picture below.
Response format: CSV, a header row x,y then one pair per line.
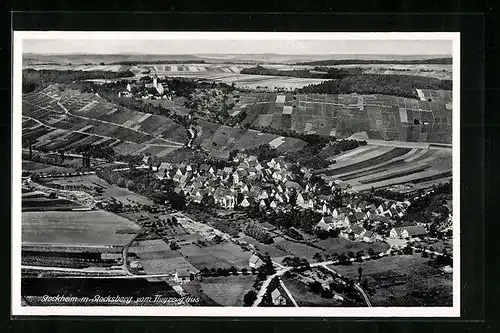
x,y
200,46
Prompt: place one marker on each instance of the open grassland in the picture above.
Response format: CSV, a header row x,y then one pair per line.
x,y
77,228
403,280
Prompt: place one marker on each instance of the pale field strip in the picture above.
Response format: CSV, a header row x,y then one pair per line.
x,y
359,158
354,152
50,135
88,106
165,152
144,147
56,118
420,153
275,143
111,112
79,142
362,155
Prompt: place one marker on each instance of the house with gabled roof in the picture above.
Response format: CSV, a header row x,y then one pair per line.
x,y
341,222
224,197
326,223
356,232
305,200
408,232
279,198
339,211
245,203
204,168
277,298
370,236
263,195
255,261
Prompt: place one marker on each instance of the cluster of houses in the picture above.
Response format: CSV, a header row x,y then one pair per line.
x,y
149,90
356,221
270,185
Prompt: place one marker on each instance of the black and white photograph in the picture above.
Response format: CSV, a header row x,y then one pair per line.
x,y
236,173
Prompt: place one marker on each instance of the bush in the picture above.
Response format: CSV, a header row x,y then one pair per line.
x,y
249,298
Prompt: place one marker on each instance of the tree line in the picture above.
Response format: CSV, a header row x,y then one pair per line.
x,y
436,61
395,85
35,80
316,73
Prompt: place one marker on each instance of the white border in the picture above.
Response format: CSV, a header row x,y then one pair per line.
x,y
18,310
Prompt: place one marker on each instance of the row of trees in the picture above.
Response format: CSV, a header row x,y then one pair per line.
x,y
253,230
304,220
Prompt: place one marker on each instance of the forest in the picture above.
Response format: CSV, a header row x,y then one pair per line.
x,y
395,85
324,73
435,61
35,80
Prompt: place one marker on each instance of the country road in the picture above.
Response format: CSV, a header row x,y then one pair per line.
x,y
109,273
356,285
289,294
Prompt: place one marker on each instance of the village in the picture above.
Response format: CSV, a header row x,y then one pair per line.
x,y
272,186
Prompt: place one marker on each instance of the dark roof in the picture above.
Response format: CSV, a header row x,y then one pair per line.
x,y
368,233
357,229
222,192
328,219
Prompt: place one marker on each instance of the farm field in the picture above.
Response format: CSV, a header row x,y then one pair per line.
x,y
270,249
403,280
380,117
89,182
216,256
442,72
220,140
227,290
339,245
36,167
378,167
77,228
304,297
296,249
61,118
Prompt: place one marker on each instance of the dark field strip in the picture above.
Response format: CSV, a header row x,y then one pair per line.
x,y
433,177
90,287
396,152
374,170
395,174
